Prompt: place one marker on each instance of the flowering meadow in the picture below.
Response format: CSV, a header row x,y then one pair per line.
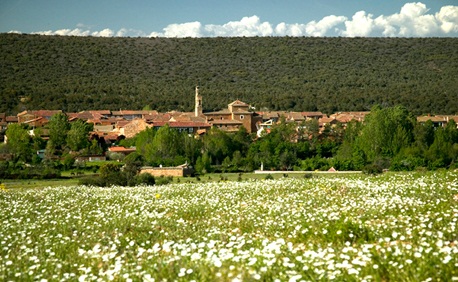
x,y
392,227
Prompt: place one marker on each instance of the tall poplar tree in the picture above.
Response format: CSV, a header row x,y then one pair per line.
x,y
58,129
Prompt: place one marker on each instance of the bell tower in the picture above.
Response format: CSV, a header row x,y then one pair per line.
x,y
198,105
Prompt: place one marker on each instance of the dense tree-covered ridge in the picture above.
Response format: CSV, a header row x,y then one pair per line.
x,y
288,73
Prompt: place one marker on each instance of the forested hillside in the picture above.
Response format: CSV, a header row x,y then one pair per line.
x,y
288,73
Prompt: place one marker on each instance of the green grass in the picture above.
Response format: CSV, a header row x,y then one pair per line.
x,y
13,184
69,179
398,227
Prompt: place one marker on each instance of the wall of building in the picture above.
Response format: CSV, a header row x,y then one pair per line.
x,y
167,171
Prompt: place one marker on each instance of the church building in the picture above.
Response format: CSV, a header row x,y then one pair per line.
x,y
231,119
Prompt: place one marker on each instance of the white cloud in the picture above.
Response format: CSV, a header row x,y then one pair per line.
x,y
192,29
413,19
248,26
448,18
130,32
104,33
74,32
322,27
360,25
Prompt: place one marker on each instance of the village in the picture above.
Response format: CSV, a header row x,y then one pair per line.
x,y
113,125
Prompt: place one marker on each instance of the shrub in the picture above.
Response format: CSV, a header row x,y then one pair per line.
x,y
372,169
109,170
308,175
269,177
145,178
408,163
162,180
115,156
92,181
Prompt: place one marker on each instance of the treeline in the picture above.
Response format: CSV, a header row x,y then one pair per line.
x,y
270,73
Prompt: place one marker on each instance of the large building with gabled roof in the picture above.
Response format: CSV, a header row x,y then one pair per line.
x,y
234,117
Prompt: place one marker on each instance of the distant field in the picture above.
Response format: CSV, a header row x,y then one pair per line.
x,y
392,227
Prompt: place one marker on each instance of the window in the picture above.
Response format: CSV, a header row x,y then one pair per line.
x,y
242,116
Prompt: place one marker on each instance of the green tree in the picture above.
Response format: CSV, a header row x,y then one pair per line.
x,y
424,135
276,150
385,132
167,147
443,151
217,144
18,139
144,143
95,148
348,152
310,131
203,163
241,140
78,135
227,166
238,161
451,131
58,128
132,166
192,147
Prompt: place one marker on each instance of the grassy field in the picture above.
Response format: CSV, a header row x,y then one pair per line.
x,y
70,180
393,227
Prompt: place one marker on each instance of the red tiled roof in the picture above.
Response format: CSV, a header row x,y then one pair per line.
x,y
121,149
226,121
181,124
224,112
343,118
45,113
158,117
238,103
101,112
11,119
129,112
198,119
33,120
72,115
432,118
295,116
326,120
122,123
86,115
312,114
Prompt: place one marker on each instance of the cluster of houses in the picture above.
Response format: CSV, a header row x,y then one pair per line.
x,y
111,125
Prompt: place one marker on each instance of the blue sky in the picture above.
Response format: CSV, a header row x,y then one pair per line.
x,y
207,18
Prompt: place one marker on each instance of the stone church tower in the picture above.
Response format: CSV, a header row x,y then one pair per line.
x,y
198,106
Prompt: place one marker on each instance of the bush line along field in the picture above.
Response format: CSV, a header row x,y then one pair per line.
x,y
392,227
274,73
